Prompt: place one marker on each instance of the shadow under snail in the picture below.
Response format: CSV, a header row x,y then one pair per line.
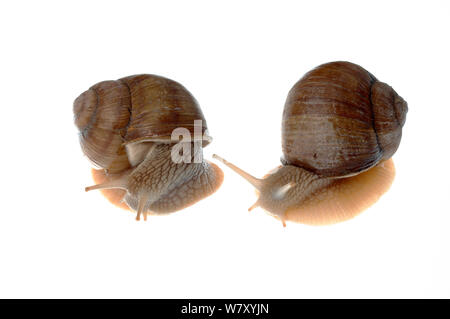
x,y
340,127
125,129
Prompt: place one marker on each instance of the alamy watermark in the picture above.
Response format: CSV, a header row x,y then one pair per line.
x,y
188,148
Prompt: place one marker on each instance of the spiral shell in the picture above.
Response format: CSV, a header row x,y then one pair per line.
x,y
340,120
138,108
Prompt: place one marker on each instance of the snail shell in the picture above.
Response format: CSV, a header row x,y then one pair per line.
x,y
125,129
340,128
340,120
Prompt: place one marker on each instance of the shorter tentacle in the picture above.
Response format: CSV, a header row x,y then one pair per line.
x,y
118,183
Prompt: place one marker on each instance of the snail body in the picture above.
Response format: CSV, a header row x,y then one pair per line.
x,y
125,129
340,128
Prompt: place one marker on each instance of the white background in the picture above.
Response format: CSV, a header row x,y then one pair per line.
x,y
239,59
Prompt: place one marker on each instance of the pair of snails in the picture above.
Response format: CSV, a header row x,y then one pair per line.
x,y
340,128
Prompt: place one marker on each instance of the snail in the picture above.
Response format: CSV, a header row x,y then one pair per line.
x,y
340,128
129,129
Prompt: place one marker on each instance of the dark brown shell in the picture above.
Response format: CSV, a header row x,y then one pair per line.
x,y
340,120
132,109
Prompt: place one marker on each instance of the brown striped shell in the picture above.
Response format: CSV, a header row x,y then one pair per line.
x,y
138,108
340,120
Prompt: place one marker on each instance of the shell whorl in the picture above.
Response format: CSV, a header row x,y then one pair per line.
x,y
132,109
389,112
340,120
102,115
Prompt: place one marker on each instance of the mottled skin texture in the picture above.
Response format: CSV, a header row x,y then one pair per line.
x,y
276,198
168,186
291,193
158,185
